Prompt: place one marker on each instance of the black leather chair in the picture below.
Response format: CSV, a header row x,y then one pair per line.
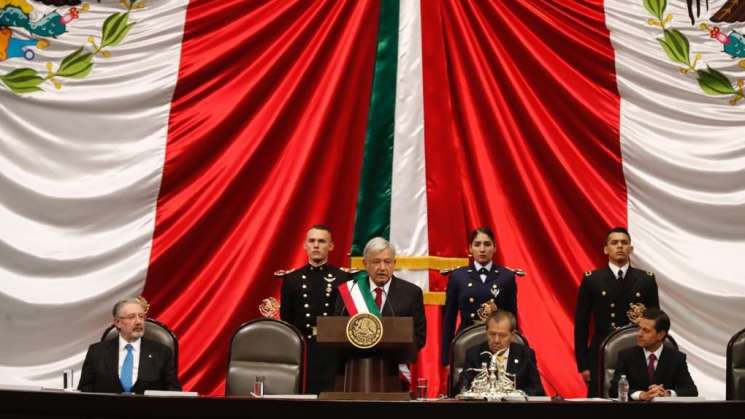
x,y
736,367
616,341
270,348
471,336
155,331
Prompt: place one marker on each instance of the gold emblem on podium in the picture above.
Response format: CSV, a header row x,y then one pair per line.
x,y
364,330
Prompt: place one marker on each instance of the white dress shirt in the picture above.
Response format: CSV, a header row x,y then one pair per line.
x,y
478,267
614,269
385,287
135,355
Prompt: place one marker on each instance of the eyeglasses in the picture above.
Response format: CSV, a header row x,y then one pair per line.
x,y
133,316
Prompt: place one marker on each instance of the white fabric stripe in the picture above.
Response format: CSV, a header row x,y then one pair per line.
x,y
409,188
684,163
357,298
80,170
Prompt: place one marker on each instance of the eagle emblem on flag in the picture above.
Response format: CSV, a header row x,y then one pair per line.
x,y
26,29
721,28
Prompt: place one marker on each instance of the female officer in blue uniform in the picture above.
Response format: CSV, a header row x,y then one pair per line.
x,y
470,286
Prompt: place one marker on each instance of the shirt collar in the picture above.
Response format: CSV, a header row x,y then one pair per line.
x,y
656,353
135,344
614,269
478,266
385,287
314,267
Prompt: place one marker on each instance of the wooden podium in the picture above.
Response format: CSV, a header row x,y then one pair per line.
x,y
369,374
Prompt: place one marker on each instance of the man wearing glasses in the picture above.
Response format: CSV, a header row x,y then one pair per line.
x,y
130,363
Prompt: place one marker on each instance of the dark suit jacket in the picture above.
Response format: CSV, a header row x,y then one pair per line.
x,y
466,293
521,362
404,300
671,372
100,374
605,300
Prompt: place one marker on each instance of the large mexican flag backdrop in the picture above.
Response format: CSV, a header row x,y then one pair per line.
x,y
181,149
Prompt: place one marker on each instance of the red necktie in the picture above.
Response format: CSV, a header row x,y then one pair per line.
x,y
650,368
379,297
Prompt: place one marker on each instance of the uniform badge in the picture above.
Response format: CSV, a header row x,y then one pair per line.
x,y
329,279
495,290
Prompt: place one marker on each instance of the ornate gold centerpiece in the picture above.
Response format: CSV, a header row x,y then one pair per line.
x,y
364,330
491,383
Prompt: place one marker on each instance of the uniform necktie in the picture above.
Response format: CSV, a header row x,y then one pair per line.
x,y
483,271
127,367
620,274
379,297
650,368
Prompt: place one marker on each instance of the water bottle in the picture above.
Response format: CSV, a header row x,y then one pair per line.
x,y
623,389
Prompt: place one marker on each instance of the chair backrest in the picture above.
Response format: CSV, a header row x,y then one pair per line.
x,y
270,348
616,341
155,331
736,367
470,336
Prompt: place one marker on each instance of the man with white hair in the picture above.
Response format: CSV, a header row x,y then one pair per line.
x,y
381,292
130,363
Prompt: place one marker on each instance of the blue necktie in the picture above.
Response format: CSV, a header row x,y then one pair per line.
x,y
127,367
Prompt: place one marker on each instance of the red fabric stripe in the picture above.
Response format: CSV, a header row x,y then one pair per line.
x,y
346,296
522,134
265,139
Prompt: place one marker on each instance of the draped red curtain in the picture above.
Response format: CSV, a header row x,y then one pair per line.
x,y
521,126
266,135
265,139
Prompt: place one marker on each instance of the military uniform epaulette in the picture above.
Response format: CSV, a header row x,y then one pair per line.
x,y
283,272
516,271
448,271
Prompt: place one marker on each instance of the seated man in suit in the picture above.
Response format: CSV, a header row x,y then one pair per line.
x,y
130,363
518,359
653,370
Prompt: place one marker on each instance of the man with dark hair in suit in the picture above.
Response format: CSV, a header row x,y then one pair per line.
x,y
605,295
130,363
513,357
308,293
652,369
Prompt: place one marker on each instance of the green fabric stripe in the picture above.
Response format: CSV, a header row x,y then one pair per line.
x,y
364,286
374,200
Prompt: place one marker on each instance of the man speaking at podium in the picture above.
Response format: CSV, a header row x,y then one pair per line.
x,y
390,296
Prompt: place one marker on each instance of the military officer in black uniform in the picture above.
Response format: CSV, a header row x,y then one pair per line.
x,y
605,296
471,286
307,293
